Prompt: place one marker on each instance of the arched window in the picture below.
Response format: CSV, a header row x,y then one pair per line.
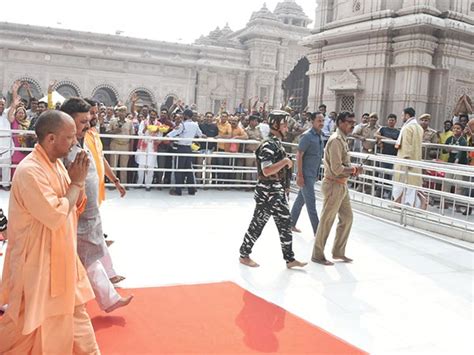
x,y
67,89
296,85
34,87
145,97
105,94
170,99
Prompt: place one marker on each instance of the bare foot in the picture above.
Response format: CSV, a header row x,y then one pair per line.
x,y
116,279
122,302
296,230
249,262
343,258
295,263
322,261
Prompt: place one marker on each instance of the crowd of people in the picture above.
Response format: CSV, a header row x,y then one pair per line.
x,y
143,167
57,258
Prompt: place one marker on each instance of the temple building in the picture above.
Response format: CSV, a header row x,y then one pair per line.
x,y
224,66
361,55
381,56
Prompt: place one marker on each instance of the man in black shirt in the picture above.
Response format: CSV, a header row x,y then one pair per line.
x,y
388,148
209,129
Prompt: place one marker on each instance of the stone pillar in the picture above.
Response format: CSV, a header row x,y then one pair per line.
x,y
412,65
277,98
203,94
324,14
316,78
240,89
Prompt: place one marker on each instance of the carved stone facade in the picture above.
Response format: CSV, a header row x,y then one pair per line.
x,y
224,65
386,55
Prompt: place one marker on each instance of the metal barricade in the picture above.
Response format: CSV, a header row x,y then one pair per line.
x,y
448,194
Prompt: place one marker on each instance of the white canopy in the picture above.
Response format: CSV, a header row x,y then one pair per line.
x,y
57,97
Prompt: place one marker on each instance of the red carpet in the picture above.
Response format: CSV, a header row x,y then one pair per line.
x,y
219,318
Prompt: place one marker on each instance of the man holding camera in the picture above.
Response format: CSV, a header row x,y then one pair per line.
x,y
273,166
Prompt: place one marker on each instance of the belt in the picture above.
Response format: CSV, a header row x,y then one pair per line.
x,y
341,181
269,178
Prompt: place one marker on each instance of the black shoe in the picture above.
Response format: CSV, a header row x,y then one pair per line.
x,y
468,211
148,189
175,193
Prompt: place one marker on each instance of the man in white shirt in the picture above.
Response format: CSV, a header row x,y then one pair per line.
x,y
329,123
187,129
264,128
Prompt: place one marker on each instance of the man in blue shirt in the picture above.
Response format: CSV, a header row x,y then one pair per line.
x,y
308,157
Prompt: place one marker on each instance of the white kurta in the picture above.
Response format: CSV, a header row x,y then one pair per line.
x,y
6,144
143,156
409,141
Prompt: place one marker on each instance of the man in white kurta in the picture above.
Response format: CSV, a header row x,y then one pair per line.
x,y
409,147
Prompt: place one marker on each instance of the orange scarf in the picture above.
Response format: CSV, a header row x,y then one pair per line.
x,y
94,144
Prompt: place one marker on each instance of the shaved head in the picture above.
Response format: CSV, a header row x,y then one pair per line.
x,y
51,121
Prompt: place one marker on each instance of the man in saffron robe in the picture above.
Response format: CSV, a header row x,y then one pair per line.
x,y
44,282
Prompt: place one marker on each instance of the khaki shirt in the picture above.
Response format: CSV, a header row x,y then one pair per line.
x,y
368,133
336,156
125,129
254,134
430,136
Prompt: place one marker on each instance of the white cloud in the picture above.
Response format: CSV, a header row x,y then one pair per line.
x,y
174,21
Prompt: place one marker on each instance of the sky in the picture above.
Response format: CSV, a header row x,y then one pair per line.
x,y
180,21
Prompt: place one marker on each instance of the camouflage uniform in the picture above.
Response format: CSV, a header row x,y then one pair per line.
x,y
270,198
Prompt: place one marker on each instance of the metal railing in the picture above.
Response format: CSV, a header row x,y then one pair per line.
x,y
448,189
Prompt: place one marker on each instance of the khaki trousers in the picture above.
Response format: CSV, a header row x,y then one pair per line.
x,y
336,202
65,334
122,158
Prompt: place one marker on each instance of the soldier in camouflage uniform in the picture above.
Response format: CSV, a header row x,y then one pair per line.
x,y
273,168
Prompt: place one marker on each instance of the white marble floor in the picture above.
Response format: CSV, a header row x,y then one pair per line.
x,y
405,293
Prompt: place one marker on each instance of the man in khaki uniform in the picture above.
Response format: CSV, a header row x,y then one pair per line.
x,y
366,134
429,136
337,169
122,126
